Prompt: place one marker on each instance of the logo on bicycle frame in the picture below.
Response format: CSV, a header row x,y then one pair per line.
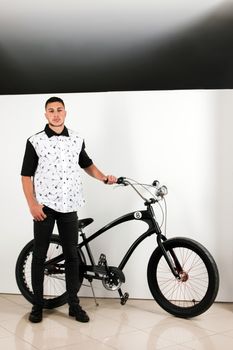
x,y
138,215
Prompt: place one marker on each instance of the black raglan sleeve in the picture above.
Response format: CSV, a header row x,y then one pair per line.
x,y
84,160
30,160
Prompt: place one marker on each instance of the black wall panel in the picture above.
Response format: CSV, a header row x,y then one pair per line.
x,y
85,46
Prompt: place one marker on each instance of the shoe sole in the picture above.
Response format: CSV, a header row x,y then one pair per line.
x,y
35,320
77,319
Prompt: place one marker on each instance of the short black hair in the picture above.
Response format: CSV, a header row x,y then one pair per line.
x,y
54,99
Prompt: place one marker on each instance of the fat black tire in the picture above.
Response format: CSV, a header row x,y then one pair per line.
x,y
56,294
198,290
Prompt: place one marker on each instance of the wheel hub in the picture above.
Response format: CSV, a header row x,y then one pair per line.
x,y
183,276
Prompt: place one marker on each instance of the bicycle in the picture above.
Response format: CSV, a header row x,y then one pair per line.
x,y
182,275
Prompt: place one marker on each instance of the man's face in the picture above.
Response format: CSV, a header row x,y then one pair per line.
x,y
55,114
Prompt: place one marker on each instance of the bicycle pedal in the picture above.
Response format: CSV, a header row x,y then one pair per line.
x,y
102,260
124,298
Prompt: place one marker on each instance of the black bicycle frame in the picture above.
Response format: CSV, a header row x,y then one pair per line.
x,y
146,216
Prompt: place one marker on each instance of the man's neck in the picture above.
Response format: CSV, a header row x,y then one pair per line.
x,y
57,129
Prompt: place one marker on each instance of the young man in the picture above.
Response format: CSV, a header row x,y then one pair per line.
x,y
53,190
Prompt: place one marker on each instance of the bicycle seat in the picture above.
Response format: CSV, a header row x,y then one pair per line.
x,y
84,222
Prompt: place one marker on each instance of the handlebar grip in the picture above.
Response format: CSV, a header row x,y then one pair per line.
x,y
120,180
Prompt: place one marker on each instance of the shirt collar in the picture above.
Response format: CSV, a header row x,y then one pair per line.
x,y
49,132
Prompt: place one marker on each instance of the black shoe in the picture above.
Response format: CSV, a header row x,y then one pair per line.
x,y
36,314
76,311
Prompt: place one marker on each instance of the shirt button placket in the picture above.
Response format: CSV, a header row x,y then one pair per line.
x,y
64,174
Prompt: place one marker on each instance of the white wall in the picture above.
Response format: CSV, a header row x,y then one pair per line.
x,y
182,138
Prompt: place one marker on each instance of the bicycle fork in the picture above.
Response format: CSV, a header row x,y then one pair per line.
x,y
173,263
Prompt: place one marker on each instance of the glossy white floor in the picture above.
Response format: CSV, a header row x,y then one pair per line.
x,y
140,324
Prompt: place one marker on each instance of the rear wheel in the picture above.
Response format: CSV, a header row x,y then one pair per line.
x,y
54,278
196,289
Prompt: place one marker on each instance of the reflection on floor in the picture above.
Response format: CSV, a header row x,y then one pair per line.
x,y
140,324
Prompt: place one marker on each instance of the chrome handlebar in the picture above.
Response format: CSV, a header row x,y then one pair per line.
x,y
160,191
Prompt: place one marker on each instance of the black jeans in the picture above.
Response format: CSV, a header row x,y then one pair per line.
x,y
67,224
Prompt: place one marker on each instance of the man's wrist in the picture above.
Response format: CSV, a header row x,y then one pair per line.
x,y
105,180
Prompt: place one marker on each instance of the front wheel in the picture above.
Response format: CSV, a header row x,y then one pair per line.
x,y
197,286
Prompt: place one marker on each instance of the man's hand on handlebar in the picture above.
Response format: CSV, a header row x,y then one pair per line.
x,y
110,180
